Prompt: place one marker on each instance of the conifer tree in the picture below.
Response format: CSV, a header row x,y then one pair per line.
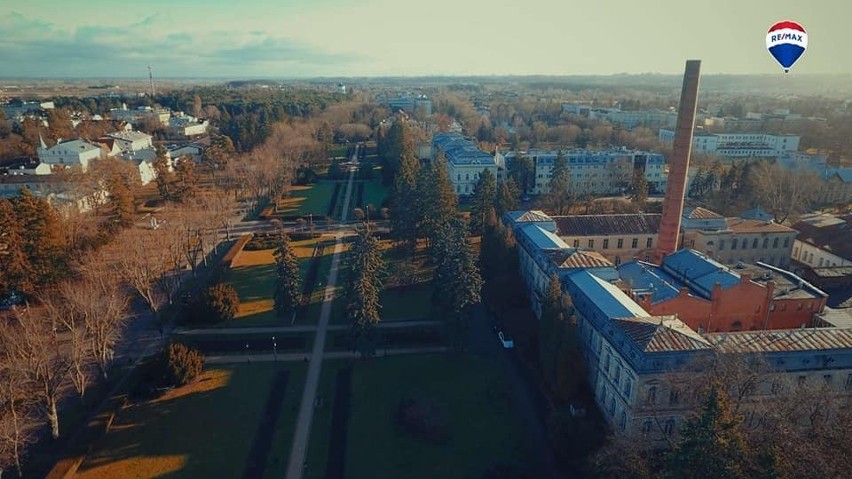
x,y
484,197
366,268
404,197
15,266
437,199
558,199
288,281
711,443
457,279
507,197
42,241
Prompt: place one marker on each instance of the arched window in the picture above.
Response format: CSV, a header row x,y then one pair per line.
x,y
651,397
668,428
647,425
623,421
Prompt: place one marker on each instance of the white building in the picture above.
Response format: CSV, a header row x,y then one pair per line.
x,y
738,145
27,166
132,140
192,150
185,126
464,159
632,119
597,172
70,153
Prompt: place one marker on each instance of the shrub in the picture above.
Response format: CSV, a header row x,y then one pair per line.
x,y
216,303
422,420
177,365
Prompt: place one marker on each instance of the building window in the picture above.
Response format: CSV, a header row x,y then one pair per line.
x,y
796,252
467,177
606,243
635,243
772,307
849,382
576,243
612,405
721,245
765,243
623,421
787,242
591,243
649,243
775,242
620,243
674,397
668,429
734,244
628,386
652,395
606,363
810,306
458,177
646,427
745,243
754,244
820,263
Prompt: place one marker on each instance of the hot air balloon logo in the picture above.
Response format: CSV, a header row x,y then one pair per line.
x,y
786,42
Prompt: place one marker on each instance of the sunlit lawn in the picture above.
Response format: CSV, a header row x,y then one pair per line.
x,y
202,430
469,393
310,199
252,274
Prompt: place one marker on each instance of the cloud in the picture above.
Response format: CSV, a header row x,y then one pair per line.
x,y
31,47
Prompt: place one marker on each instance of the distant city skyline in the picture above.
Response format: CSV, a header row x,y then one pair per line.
x,y
310,38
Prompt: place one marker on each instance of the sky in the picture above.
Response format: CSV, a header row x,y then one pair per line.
x,y
311,38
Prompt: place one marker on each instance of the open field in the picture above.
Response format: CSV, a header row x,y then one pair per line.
x,y
205,429
310,199
477,416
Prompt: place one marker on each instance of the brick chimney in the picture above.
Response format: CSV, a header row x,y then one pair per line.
x,y
679,162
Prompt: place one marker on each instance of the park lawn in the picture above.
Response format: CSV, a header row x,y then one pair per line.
x,y
469,392
317,454
311,199
204,429
407,303
375,193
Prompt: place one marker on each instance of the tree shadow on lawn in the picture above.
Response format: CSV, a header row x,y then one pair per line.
x,y
253,283
200,430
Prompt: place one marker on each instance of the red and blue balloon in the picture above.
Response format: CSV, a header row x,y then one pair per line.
x,y
786,42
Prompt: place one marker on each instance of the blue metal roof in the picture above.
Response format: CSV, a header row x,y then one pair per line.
x,y
610,300
541,238
698,271
646,278
460,150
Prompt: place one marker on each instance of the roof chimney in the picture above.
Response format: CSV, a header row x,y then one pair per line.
x,y
679,162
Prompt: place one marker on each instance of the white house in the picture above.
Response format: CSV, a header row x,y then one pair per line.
x,y
464,159
187,126
132,140
70,153
191,149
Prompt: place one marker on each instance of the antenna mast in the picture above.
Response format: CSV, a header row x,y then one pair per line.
x,y
151,78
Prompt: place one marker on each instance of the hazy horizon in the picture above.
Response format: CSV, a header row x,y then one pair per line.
x,y
310,39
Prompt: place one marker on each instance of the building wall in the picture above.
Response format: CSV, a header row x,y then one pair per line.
x,y
718,245
810,255
464,177
608,246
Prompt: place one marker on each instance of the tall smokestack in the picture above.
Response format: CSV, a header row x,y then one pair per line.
x,y
679,162
151,77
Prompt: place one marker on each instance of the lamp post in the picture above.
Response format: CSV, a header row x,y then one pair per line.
x,y
274,349
248,358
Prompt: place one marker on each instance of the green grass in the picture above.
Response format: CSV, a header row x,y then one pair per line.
x,y
202,430
314,200
317,454
375,192
411,302
469,392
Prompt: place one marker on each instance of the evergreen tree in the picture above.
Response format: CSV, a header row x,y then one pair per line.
x,y
484,198
186,178
437,199
15,270
288,286
522,170
120,200
457,279
639,186
366,267
507,197
391,147
491,261
558,199
42,242
404,201
165,177
711,443
549,328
